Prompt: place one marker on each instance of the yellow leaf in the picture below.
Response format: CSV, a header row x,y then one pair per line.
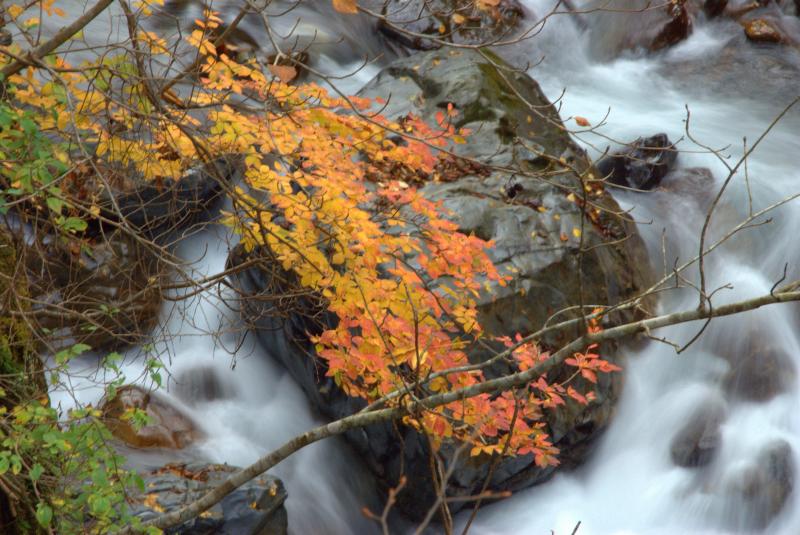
x,y
15,11
346,6
151,501
576,232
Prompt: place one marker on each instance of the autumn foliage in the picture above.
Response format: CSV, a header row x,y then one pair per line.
x,y
327,189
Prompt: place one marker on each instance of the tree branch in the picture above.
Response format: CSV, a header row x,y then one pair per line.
x,y
500,384
61,37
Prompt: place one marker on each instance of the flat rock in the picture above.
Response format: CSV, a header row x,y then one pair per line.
x,y
255,508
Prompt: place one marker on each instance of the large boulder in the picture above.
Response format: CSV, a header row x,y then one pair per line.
x,y
531,220
255,508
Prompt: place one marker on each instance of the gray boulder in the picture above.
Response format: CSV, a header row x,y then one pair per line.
x,y
255,508
531,220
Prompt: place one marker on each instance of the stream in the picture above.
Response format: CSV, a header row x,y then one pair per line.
x,y
247,404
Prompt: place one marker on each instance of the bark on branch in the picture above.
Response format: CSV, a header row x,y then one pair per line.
x,y
62,36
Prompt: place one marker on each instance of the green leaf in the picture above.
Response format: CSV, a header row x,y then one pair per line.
x,y
100,505
55,204
16,464
36,472
71,352
44,514
72,224
4,465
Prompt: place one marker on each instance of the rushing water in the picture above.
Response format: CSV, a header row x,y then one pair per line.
x,y
630,485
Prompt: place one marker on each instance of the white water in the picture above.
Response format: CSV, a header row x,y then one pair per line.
x,y
630,485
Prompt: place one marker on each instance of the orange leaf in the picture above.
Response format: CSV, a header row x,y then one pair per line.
x,y
582,121
284,73
346,6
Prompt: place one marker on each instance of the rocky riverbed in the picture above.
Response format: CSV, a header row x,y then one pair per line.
x,y
678,461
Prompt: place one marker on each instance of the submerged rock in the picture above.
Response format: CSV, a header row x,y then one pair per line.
x,y
764,487
168,426
201,383
529,230
762,372
740,66
641,165
698,441
255,508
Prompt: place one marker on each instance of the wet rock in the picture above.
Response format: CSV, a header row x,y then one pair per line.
x,y
255,508
155,208
740,67
764,31
201,383
629,25
761,372
695,183
168,426
699,439
457,21
527,228
765,487
641,165
102,292
714,8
